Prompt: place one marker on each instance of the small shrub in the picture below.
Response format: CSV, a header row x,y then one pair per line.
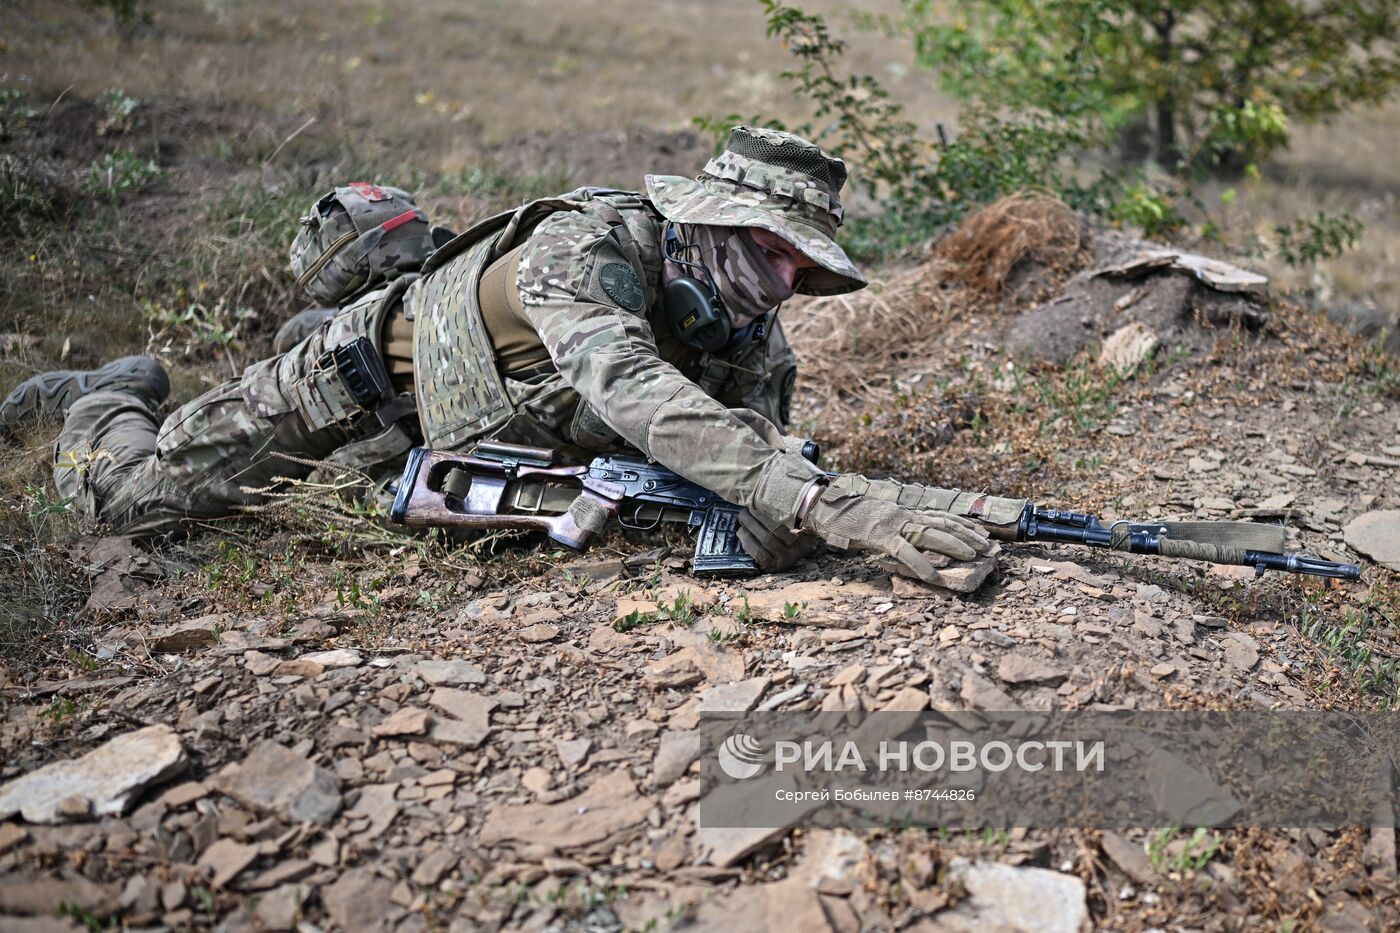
x,y
855,112
1196,853
1306,241
681,610
28,193
120,172
1243,135
1149,210
14,110
1380,368
1078,399
118,109
922,184
1349,640
995,155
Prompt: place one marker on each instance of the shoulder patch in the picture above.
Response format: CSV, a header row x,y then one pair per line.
x,y
622,285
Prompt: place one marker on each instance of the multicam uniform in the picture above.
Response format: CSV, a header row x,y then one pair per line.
x,y
534,327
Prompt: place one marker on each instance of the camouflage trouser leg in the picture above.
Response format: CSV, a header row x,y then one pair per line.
x,y
131,477
105,437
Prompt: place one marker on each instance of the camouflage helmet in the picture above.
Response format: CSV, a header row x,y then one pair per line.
x,y
777,181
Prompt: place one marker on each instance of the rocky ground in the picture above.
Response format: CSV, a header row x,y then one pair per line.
x,y
254,731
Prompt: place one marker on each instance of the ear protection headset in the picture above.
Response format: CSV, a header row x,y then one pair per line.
x,y
693,308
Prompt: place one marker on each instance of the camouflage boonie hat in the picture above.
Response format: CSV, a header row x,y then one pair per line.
x,y
776,181
357,236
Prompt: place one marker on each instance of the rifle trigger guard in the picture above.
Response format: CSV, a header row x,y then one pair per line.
x,y
634,524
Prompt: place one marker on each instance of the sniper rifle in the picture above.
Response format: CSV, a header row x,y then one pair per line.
x,y
509,486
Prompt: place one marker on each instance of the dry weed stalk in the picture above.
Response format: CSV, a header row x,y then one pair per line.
x,y
851,346
338,506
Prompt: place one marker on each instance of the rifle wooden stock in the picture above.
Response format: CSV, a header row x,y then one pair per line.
x,y
498,485
427,497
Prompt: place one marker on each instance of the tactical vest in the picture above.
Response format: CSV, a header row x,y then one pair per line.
x,y
461,392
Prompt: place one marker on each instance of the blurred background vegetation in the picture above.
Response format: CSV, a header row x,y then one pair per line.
x,y
1159,115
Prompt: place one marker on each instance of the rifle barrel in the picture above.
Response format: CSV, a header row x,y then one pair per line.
x,y
1082,528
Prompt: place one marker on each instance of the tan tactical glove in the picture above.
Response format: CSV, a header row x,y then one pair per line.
x,y
773,546
849,520
998,514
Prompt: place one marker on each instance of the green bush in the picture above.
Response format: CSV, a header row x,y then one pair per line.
x,y
922,184
1216,81
119,111
1305,241
1150,210
14,110
1046,83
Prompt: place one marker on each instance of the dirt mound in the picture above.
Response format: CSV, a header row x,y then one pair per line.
x,y
870,346
1184,311
1056,287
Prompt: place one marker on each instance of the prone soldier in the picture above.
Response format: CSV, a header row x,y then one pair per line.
x,y
598,321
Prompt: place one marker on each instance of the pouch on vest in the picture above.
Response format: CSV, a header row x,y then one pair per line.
x,y
342,380
357,237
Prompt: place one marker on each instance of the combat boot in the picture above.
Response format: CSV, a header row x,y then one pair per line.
x,y
48,396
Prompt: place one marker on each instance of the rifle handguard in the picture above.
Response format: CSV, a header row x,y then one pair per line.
x,y
1196,550
1237,543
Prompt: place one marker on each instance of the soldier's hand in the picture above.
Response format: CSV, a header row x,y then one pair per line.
x,y
849,520
773,546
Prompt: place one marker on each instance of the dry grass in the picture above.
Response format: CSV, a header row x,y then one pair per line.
x,y
41,590
852,346
1027,232
344,512
863,349
435,82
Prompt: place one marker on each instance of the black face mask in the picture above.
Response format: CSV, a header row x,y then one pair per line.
x,y
693,309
